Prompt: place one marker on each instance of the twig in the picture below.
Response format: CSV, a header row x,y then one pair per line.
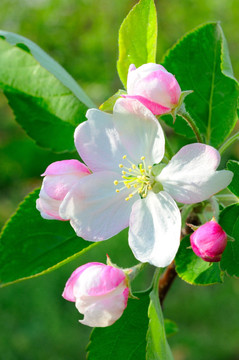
x,y
166,281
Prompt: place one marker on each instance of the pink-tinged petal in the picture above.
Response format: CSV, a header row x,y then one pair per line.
x,y
48,207
98,143
66,167
98,280
132,67
154,83
154,229
154,107
57,187
139,131
209,241
103,310
190,176
95,210
68,292
136,76
162,87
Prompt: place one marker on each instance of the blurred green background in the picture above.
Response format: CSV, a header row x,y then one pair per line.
x,y
36,323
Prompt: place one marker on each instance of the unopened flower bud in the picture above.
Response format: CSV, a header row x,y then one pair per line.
x,y
60,177
154,87
99,291
209,241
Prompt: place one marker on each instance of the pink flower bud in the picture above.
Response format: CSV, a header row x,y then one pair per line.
x,y
99,291
209,241
154,87
60,177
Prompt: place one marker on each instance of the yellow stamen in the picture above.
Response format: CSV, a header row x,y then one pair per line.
x,y
117,190
138,177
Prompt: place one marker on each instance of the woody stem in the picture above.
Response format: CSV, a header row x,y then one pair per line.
x,y
166,281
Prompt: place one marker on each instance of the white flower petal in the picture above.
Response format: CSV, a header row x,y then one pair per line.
x,y
154,230
48,207
101,311
139,131
98,143
190,177
136,75
95,210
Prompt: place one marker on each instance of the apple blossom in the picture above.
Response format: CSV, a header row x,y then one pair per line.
x,y
126,189
60,176
154,87
209,241
99,291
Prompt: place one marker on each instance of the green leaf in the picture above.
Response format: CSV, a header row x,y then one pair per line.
x,y
157,345
137,38
32,246
233,166
45,99
229,220
108,105
125,339
200,61
171,327
193,269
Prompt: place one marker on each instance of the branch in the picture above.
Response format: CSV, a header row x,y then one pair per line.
x,y
166,281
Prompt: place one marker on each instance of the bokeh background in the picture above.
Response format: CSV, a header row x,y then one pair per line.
x,y
35,322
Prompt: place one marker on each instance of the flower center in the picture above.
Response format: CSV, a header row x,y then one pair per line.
x,y
138,178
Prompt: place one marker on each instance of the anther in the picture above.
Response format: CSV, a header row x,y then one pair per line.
x,y
124,157
133,166
127,199
123,172
142,158
116,182
117,190
121,165
149,167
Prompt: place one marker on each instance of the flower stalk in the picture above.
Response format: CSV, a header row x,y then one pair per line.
x,y
185,115
228,143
